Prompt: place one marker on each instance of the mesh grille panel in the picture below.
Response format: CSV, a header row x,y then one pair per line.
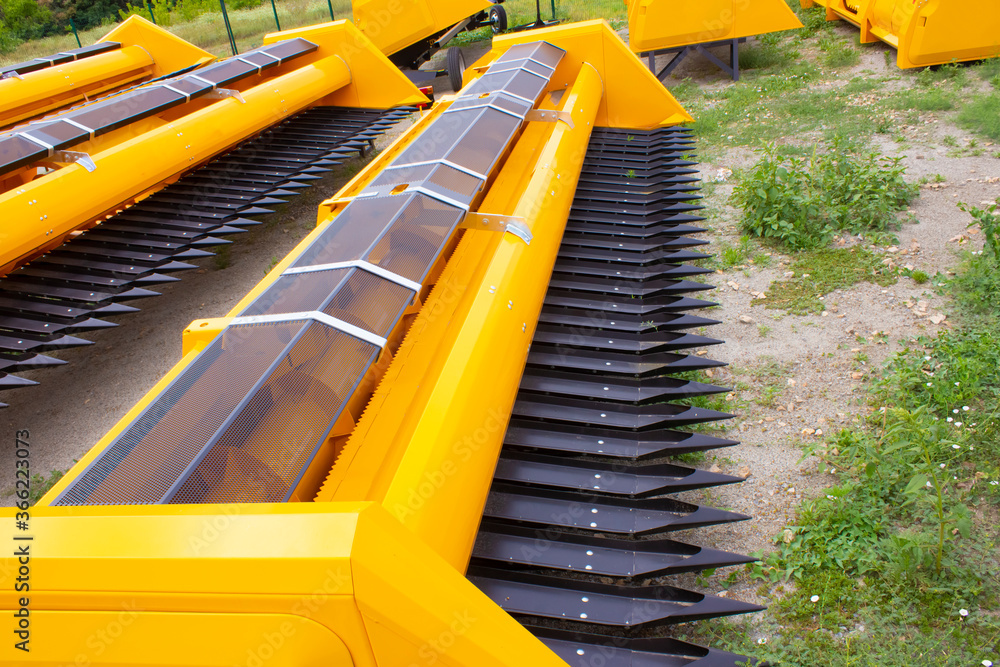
x,y
150,455
297,293
455,181
370,302
440,137
543,52
353,232
416,237
483,145
264,451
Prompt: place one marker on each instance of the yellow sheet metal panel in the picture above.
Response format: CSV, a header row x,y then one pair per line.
x,y
632,98
658,24
394,25
170,549
169,52
420,611
132,636
939,32
663,24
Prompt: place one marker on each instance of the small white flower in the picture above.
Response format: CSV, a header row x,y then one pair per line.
x,y
763,640
955,447
928,484
929,384
965,407
814,598
950,419
963,612
958,424
942,466
957,383
927,358
955,411
987,663
994,483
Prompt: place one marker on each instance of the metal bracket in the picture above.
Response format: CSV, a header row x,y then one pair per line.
x,y
494,222
13,74
223,93
550,116
455,29
83,159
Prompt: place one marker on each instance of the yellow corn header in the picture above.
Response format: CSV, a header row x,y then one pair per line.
x,y
183,122
654,25
924,32
681,27
304,488
135,51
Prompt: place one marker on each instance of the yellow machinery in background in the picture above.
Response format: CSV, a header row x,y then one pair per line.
x,y
135,51
679,27
925,33
410,32
303,489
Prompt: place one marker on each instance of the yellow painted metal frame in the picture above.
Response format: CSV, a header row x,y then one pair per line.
x,y
147,51
664,24
926,33
633,98
371,572
346,70
393,25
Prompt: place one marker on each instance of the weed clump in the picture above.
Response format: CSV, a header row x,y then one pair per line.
x,y
801,202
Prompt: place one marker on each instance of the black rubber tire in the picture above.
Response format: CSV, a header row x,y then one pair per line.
x,y
498,19
455,67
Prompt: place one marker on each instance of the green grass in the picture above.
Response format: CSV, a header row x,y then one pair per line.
x,y
40,485
765,54
982,116
207,31
838,54
897,562
819,272
925,99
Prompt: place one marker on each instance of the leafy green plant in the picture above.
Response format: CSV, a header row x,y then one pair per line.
x,y
801,202
988,220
